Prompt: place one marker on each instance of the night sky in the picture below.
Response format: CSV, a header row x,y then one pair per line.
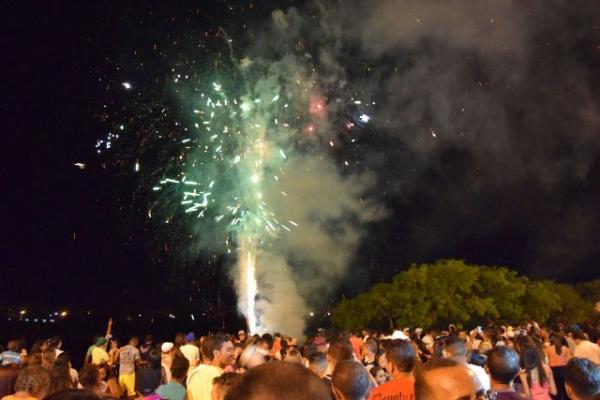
x,y
485,143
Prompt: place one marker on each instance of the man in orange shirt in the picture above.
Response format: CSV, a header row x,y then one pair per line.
x,y
402,358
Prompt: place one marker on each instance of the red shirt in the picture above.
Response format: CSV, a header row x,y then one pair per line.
x,y
398,389
356,345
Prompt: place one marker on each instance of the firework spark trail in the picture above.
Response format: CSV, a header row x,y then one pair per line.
x,y
227,162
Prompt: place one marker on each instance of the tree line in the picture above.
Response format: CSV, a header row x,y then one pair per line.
x,y
453,291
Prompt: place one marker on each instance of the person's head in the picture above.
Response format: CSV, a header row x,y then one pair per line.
x,y
89,377
114,344
379,375
503,365
251,357
13,346
401,357
279,380
103,371
148,340
582,379
179,339
101,342
339,350
241,335
55,342
350,381
218,350
462,334
190,338
223,383
134,341
33,380
369,348
265,342
48,358
317,363
60,378
179,368
455,348
446,379
531,360
579,336
294,355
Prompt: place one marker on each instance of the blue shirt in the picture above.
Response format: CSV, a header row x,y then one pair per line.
x,y
10,357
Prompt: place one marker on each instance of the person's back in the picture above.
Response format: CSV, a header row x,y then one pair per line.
x,y
586,349
174,390
8,377
402,359
129,356
147,380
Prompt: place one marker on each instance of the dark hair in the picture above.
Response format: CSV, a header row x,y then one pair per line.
x,y
351,379
267,338
33,380
13,346
49,356
88,376
179,366
73,394
579,335
279,380
60,376
213,343
340,350
503,364
375,370
455,346
227,380
36,348
583,377
371,345
402,354
530,359
422,388
179,339
54,341
558,342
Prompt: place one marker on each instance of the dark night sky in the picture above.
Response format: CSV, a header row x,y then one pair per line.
x,y
522,192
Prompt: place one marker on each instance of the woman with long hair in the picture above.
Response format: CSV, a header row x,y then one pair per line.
x,y
558,354
60,376
538,381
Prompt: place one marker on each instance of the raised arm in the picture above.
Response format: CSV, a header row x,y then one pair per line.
x,y
108,329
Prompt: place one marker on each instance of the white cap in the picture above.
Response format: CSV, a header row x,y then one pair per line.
x,y
398,334
166,347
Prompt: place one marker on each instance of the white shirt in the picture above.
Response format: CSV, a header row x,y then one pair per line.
x,y
480,373
589,350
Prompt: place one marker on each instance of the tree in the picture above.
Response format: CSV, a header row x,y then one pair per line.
x,y
572,307
452,291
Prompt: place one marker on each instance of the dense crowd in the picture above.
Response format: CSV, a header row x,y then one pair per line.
x,y
498,362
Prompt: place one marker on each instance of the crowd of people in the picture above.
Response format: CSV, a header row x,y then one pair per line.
x,y
498,362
